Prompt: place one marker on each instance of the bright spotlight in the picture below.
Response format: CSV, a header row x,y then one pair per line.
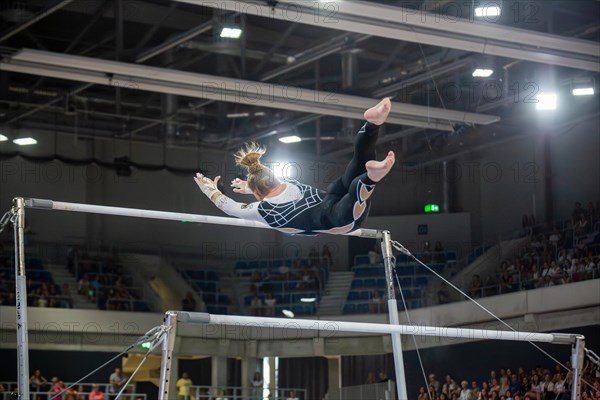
x,y
231,33
487,11
587,91
27,141
288,313
483,73
546,101
3,138
290,139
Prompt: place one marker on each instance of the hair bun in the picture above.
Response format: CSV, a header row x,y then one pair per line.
x,y
249,157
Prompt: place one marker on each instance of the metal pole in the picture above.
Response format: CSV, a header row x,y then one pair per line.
x,y
167,355
388,260
21,299
577,365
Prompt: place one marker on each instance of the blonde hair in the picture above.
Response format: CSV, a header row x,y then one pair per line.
x,y
260,178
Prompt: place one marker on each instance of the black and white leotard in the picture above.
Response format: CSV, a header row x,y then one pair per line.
x,y
303,209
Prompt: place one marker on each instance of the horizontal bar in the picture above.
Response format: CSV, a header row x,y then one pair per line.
x,y
44,204
363,327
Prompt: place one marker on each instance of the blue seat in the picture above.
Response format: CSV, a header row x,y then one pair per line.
x,y
241,265
364,259
364,295
362,308
421,281
406,281
353,296
370,282
349,308
212,276
356,283
381,282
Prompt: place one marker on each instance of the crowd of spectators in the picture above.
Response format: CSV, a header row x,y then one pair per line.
x,y
556,256
102,281
307,274
56,389
515,384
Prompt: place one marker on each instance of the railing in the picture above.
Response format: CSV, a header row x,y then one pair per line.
x,y
245,393
375,391
36,394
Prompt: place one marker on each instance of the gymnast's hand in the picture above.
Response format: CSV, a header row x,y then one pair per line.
x,y
240,186
205,184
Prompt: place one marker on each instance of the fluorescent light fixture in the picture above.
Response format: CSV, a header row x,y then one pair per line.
x,y
546,101
3,138
587,91
482,73
288,313
259,114
308,299
290,139
27,141
231,33
238,115
488,11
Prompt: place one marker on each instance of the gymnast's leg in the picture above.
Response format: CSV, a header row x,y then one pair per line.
x,y
365,141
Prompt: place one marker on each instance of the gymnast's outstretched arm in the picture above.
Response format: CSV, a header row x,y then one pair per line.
x,y
224,203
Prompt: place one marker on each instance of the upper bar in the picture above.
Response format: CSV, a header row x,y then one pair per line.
x,y
363,327
43,204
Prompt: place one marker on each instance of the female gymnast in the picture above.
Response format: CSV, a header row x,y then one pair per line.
x,y
295,208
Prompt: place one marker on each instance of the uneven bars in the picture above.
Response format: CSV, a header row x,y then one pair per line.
x,y
364,327
43,204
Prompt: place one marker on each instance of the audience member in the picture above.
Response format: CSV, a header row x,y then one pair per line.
x,y
189,302
116,380
96,393
183,387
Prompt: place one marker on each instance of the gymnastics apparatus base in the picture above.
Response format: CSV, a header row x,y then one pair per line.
x,y
167,332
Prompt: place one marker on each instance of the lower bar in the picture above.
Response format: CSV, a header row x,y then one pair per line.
x,y
364,327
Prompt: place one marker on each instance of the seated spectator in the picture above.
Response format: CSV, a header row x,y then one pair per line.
x,y
57,389
440,256
506,282
270,305
383,376
221,395
514,386
434,382
375,302
83,286
374,255
443,294
423,395
475,289
326,258
256,305
465,392
80,391
96,393
189,302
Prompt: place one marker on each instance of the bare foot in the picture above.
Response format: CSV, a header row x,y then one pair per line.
x,y
377,170
378,114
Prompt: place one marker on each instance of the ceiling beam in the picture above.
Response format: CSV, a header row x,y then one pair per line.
x,y
13,31
238,91
421,27
174,41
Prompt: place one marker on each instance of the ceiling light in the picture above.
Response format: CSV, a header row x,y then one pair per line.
x,y
587,91
546,101
488,11
308,299
238,115
482,73
27,141
288,313
290,139
231,33
3,138
259,114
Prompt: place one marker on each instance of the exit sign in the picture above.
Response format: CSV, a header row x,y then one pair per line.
x,y
432,208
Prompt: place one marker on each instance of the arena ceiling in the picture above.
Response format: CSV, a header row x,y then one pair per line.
x,y
159,70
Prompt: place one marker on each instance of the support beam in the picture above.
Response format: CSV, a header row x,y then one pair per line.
x,y
334,378
229,90
398,23
290,29
34,20
174,41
